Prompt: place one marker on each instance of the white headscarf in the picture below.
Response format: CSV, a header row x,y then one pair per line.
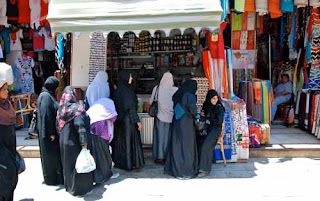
x,y
99,88
165,103
6,75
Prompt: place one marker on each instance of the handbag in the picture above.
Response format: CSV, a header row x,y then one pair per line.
x,y
153,111
202,125
21,166
33,128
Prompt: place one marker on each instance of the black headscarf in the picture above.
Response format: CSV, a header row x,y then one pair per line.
x,y
51,84
190,86
207,105
124,96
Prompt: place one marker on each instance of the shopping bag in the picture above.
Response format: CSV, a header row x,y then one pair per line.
x,y
21,166
85,162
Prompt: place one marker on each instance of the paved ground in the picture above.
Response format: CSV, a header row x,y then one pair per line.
x,y
258,179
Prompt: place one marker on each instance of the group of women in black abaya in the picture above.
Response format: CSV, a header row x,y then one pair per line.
x,y
112,123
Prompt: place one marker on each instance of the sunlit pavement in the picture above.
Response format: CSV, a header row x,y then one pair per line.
x,y
258,179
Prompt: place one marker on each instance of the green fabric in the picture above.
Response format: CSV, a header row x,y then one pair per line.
x,y
239,5
236,22
265,103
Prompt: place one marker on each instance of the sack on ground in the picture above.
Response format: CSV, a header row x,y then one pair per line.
x,y
85,162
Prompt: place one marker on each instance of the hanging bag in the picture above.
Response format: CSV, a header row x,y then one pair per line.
x,y
153,111
85,162
202,125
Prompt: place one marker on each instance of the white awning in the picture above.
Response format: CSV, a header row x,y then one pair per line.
x,y
133,15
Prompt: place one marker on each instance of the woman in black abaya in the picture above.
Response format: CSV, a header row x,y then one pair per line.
x,y
127,152
182,158
213,110
72,127
8,168
48,135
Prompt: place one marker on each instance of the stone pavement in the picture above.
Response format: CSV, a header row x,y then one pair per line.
x,y
258,179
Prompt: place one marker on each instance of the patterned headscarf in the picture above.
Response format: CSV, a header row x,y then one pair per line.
x,y
68,108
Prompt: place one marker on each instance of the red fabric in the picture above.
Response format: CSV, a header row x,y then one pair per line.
x,y
236,35
44,12
206,66
24,12
38,41
244,22
261,24
250,40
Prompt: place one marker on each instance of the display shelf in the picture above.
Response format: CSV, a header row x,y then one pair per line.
x,y
158,52
132,57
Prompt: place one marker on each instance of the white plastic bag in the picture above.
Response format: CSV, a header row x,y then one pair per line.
x,y
85,162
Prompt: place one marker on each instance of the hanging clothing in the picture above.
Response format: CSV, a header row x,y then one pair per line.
x,y
12,12
239,5
274,8
35,11
102,116
286,6
3,12
5,33
49,150
301,3
24,12
25,65
99,88
262,7
250,6
15,42
27,39
162,125
73,134
127,152
44,12
215,114
182,157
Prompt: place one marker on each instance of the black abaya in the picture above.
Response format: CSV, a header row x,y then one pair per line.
x,y
72,136
127,151
182,158
49,150
101,154
8,169
215,114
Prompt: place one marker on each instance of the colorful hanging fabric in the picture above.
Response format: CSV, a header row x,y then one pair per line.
x,y
59,53
236,22
251,40
274,8
206,66
262,7
286,6
236,36
257,89
301,3
251,22
314,3
250,6
239,5
225,8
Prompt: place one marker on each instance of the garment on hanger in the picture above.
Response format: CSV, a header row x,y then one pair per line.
x,y
15,42
12,11
24,12
25,65
27,40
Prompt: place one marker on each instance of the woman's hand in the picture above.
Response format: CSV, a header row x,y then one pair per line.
x,y
85,146
202,114
52,138
139,124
